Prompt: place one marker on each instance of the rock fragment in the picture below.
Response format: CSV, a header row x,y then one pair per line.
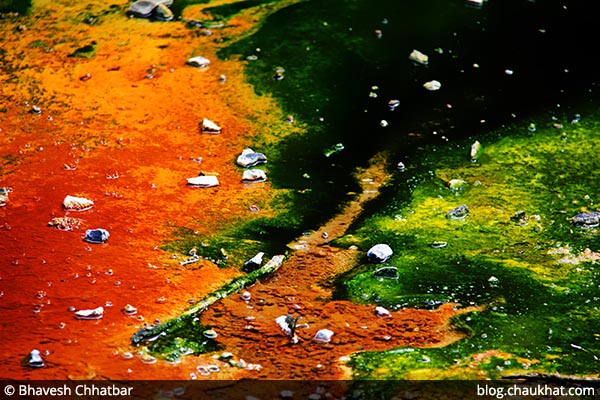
x,y
254,263
203,181
198,62
96,236
35,359
418,57
476,151
74,203
207,126
254,175
250,158
432,85
379,253
95,313
587,220
3,196
323,336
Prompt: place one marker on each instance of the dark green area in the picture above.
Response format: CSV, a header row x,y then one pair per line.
x,y
20,6
228,10
87,51
178,6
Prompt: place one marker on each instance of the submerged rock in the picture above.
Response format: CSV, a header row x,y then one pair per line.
x,y
520,218
379,253
250,158
254,263
386,272
35,359
587,220
207,126
97,236
254,175
203,181
96,313
419,57
198,61
459,212
438,244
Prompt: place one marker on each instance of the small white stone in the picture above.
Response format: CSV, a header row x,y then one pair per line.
x,y
323,336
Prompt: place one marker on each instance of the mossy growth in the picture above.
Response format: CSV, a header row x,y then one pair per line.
x,y
186,336
517,253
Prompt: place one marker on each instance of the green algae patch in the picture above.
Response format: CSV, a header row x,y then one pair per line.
x,y
516,252
184,335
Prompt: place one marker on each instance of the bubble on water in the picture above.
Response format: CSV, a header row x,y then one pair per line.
x,y
202,370
213,368
148,359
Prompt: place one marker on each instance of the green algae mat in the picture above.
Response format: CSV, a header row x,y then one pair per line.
x,y
517,253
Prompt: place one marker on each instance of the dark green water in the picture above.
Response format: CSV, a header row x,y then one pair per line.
x,y
332,59
20,6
